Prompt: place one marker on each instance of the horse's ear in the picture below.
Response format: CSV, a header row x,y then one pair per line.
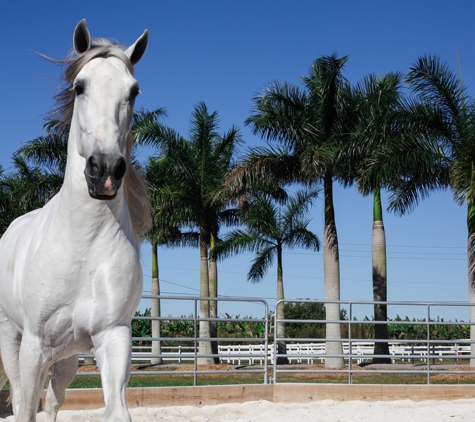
x,y
81,38
136,51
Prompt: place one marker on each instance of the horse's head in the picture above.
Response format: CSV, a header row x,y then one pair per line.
x,y
105,91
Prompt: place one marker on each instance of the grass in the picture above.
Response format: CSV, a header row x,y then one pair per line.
x,y
380,379
177,378
360,376
172,380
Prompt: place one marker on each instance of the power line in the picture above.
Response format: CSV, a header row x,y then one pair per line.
x,y
321,278
389,255
219,296
410,252
408,246
407,257
175,284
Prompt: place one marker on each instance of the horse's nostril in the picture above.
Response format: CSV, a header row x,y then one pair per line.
x,y
120,168
92,167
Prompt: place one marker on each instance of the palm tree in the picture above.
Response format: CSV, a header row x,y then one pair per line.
x,y
158,233
392,148
378,108
310,125
196,170
37,175
269,229
449,123
41,163
162,233
7,201
49,152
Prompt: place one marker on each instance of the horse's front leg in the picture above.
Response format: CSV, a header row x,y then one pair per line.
x,y
63,374
33,371
113,355
10,341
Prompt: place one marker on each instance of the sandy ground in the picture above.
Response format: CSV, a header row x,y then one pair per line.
x,y
323,410
326,410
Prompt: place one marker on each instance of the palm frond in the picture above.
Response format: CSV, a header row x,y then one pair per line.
x,y
261,264
438,84
49,151
263,169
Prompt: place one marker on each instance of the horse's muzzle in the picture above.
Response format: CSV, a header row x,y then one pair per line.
x,y
104,175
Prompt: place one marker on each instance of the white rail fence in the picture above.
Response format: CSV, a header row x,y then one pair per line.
x,y
308,353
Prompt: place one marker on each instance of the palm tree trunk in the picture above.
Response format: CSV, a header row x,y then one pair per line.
x,y
331,268
380,289
204,345
279,312
471,272
213,292
156,345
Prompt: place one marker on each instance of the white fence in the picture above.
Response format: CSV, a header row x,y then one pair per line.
x,y
307,353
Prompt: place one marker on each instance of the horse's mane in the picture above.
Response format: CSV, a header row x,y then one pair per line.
x,y
136,192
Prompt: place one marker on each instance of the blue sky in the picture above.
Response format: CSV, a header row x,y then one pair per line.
x,y
223,53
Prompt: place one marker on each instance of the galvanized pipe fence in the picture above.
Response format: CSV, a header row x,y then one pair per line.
x,y
429,350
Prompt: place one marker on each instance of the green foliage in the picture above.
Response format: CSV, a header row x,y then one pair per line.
x,y
307,311
362,330
228,327
436,331
269,228
142,327
415,329
236,328
247,327
178,329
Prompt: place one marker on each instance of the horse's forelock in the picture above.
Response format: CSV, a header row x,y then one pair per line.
x,y
100,47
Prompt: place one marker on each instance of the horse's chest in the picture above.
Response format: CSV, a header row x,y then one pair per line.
x,y
83,288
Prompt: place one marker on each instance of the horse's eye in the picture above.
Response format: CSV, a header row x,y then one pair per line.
x,y
134,91
79,88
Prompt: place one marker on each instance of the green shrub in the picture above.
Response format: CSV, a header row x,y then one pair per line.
x,y
247,327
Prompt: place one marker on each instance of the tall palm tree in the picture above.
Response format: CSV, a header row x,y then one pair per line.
x,y
196,170
392,148
449,121
269,229
379,106
310,125
162,233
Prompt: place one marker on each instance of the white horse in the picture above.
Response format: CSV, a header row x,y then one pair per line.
x,y
70,273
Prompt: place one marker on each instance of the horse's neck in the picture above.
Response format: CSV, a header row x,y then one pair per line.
x,y
75,206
